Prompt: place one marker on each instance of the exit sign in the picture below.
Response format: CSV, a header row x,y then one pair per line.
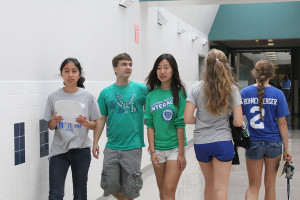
x,y
263,42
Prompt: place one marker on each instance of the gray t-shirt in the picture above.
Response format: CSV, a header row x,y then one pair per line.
x,y
210,128
68,135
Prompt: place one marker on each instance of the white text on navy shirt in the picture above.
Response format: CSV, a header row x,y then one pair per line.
x,y
271,101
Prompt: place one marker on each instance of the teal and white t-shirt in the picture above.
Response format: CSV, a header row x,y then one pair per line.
x,y
164,118
68,135
124,107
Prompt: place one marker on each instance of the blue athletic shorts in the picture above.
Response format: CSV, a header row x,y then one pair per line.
x,y
260,149
223,151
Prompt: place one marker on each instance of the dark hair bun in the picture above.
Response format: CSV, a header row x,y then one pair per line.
x,y
80,82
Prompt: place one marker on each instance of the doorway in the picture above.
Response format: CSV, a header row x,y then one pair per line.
x,y
201,65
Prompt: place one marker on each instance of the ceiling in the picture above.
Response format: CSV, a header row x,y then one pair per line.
x,y
199,16
258,50
283,58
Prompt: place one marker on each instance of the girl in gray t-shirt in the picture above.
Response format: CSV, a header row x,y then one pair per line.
x,y
214,98
71,143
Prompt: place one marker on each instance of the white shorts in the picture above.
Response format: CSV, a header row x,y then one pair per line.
x,y
164,155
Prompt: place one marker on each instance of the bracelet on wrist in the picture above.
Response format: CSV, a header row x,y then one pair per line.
x,y
152,152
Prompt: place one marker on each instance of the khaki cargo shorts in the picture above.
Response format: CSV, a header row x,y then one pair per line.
x,y
121,172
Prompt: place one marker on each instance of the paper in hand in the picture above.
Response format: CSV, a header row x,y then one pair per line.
x,y
280,170
69,110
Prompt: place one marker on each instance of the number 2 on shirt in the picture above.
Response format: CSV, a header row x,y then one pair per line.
x,y
256,118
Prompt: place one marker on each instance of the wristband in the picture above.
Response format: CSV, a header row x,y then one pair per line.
x,y
152,152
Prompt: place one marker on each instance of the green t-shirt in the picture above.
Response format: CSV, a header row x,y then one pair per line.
x,y
123,105
164,118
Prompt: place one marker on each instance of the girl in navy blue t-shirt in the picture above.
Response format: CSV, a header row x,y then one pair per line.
x,y
265,108
286,86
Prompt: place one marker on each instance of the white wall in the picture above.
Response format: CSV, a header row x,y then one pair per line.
x,y
36,36
192,14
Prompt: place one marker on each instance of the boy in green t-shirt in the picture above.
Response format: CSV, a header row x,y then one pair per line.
x,y
121,106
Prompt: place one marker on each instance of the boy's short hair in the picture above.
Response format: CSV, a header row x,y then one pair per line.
x,y
121,56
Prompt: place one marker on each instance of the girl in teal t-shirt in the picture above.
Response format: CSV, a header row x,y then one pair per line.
x,y
164,114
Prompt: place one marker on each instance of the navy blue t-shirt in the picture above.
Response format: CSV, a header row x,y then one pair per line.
x,y
285,84
275,106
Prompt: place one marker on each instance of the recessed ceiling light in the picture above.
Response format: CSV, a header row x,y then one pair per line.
x,y
270,40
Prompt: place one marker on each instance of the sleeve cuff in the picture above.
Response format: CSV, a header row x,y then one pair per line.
x,y
149,126
180,126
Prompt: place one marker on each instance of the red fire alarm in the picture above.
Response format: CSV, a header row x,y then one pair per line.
x,y
137,32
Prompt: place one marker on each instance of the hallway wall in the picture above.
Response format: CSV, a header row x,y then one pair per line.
x,y
35,37
256,21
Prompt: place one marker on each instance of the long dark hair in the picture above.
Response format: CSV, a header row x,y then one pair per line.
x,y
263,70
77,64
176,84
286,78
